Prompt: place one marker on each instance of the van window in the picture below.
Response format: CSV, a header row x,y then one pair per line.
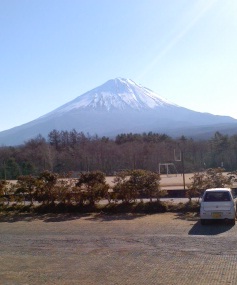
x,y
217,196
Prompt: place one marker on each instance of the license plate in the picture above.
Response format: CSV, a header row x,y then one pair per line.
x,y
216,215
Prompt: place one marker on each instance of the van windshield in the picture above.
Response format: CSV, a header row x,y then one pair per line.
x,y
217,196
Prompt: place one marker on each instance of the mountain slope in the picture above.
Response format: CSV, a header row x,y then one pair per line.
x,y
120,106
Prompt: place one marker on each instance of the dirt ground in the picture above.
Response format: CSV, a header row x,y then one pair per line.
x,y
166,180
125,249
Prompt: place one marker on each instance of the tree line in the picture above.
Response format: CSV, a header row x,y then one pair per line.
x,y
71,151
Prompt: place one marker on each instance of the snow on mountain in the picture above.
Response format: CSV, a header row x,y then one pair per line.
x,y
121,106
116,94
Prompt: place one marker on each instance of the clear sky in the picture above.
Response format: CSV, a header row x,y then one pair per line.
x,y
52,51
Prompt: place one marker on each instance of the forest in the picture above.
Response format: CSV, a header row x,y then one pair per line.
x,y
75,152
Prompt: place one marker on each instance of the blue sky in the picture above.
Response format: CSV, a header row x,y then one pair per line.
x,y
52,51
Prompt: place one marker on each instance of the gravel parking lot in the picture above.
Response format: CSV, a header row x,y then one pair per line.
x,y
125,249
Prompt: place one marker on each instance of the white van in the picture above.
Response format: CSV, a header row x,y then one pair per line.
x,y
218,203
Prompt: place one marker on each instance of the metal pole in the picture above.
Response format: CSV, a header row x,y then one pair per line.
x,y
182,158
4,166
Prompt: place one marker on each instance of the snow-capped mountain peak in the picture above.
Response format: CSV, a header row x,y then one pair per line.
x,y
121,106
116,94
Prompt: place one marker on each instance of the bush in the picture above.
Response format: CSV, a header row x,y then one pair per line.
x,y
139,208
152,207
16,208
191,206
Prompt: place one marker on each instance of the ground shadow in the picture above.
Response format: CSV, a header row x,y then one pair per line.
x,y
114,217
189,216
63,217
215,227
47,218
12,218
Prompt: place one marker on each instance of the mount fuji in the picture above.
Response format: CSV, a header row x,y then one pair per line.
x,y
121,106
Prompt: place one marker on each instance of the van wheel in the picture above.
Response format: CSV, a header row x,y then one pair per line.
x,y
203,222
